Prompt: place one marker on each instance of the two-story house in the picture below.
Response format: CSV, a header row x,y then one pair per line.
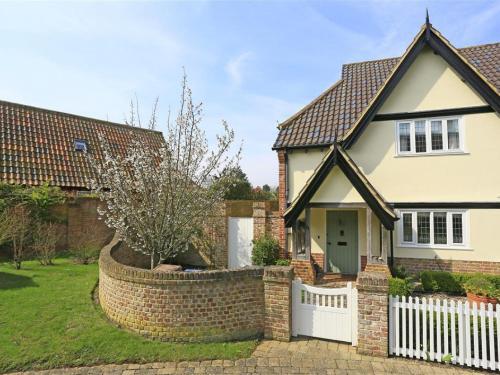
x,y
397,163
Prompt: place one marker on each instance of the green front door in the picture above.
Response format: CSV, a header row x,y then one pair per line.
x,y
342,242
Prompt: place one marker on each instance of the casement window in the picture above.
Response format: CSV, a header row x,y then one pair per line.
x,y
429,136
433,228
301,244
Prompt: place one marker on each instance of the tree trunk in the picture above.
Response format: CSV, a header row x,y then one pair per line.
x,y
152,260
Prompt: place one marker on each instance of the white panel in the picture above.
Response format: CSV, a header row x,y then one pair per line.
x,y
240,236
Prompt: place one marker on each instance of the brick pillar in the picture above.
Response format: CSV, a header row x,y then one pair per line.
x,y
282,201
373,307
259,219
278,302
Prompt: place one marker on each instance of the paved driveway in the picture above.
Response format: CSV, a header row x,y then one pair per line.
x,y
307,356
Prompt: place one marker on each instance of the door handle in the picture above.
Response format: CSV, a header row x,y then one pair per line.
x,y
329,243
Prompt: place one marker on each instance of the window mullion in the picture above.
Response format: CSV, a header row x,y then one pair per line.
x,y
449,228
428,140
445,134
412,137
414,227
431,229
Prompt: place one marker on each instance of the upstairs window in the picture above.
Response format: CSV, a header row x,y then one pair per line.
x,y
80,145
429,136
433,228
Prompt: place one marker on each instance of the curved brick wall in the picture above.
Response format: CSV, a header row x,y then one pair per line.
x,y
202,306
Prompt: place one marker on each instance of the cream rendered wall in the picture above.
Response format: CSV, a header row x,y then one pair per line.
x,y
301,165
318,230
336,188
430,84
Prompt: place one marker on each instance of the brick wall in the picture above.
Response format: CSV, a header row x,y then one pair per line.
x,y
304,270
80,222
373,303
278,302
195,307
416,265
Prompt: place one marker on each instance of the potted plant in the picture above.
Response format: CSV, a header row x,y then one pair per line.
x,y
480,289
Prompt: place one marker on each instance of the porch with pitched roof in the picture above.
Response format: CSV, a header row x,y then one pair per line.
x,y
331,241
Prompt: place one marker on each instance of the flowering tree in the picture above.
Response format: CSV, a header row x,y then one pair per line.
x,y
159,199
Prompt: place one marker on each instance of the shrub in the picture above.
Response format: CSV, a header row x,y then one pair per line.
x,y
85,253
400,272
283,262
452,283
400,287
265,251
45,237
481,286
440,281
86,245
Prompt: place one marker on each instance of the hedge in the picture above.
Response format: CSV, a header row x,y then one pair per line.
x,y
400,287
451,283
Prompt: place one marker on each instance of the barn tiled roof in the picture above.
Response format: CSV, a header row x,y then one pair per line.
x,y
38,145
337,109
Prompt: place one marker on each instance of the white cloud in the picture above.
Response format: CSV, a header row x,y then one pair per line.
x,y
235,66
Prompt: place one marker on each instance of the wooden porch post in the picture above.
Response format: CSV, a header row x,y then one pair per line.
x,y
369,235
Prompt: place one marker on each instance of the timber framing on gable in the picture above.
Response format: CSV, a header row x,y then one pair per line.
x,y
430,37
338,157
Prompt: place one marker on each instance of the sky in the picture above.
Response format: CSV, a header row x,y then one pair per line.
x,y
253,64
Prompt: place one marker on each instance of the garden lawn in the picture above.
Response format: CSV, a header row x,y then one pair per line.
x,y
48,320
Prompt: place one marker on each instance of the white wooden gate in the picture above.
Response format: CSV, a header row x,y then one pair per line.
x,y
240,236
328,313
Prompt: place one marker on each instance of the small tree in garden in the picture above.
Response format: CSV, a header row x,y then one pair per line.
x,y
20,221
159,200
5,226
45,237
86,244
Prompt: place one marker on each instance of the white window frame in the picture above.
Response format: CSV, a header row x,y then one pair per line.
x,y
428,139
449,229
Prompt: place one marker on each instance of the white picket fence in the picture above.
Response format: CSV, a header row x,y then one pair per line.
x,y
463,333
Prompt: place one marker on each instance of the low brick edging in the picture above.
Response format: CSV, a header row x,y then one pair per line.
x,y
416,265
373,302
207,306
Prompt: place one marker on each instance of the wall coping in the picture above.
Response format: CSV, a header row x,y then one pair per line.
x,y
278,273
120,271
376,282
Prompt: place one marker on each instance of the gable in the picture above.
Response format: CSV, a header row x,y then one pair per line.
x,y
430,84
341,113
336,188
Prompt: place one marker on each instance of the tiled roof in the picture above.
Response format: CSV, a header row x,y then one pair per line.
x,y
337,109
38,145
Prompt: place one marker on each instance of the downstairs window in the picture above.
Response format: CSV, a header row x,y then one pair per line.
x,y
433,228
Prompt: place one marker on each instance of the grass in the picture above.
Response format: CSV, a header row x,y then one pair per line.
x,y
47,320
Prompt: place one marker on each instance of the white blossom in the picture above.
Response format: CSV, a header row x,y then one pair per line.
x,y
158,200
